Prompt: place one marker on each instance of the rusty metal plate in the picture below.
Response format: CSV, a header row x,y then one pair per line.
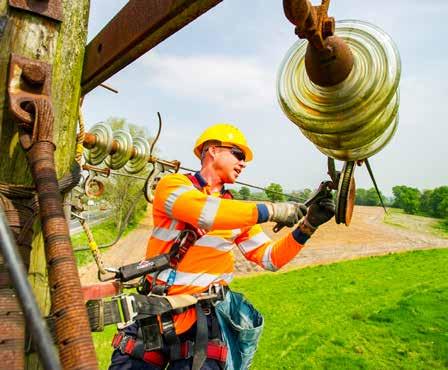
x,y
48,8
345,198
28,80
138,26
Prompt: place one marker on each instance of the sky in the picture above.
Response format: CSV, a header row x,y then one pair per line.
x,y
222,67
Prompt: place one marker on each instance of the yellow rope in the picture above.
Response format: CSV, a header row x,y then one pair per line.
x,y
80,136
93,247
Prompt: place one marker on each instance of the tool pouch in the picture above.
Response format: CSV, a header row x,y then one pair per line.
x,y
241,326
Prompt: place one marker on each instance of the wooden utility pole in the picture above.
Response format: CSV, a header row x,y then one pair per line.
x,y
61,44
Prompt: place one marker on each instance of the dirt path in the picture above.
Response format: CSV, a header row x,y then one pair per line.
x,y
366,236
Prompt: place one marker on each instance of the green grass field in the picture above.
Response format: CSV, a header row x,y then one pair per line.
x,y
376,313
397,217
442,227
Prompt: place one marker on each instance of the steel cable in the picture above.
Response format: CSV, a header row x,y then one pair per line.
x,y
33,316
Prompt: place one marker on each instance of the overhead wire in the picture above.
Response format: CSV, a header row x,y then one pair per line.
x,y
252,186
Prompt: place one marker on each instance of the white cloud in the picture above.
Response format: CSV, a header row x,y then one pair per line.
x,y
241,83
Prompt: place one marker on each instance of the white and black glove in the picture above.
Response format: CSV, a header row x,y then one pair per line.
x,y
286,213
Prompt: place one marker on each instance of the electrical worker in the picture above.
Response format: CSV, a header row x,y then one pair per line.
x,y
201,205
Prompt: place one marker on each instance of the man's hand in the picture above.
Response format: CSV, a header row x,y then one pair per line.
x,y
287,213
321,212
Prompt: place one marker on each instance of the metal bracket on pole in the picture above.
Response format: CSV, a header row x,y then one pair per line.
x,y
48,8
28,80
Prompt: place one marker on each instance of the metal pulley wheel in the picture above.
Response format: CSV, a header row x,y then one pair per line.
x,y
123,151
103,146
140,160
356,118
93,187
345,197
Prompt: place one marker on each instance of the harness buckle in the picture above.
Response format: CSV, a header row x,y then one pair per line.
x,y
217,290
127,309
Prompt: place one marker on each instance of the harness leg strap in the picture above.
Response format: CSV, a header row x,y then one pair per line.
x,y
200,347
170,336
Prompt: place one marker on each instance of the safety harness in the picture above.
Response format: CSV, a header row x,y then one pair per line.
x,y
157,328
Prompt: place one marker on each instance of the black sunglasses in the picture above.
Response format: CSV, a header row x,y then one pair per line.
x,y
237,153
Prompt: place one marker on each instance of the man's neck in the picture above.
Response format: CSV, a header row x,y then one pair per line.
x,y
213,180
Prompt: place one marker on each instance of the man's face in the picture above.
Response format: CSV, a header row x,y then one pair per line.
x,y
229,162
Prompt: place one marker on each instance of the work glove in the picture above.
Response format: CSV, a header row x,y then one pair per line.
x,y
286,213
320,212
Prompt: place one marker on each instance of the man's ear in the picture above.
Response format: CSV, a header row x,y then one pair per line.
x,y
212,151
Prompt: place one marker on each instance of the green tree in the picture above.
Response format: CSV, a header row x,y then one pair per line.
x,y
244,193
368,197
406,198
425,202
273,192
361,197
372,197
438,201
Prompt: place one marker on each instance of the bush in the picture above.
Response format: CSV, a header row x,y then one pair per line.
x,y
367,197
407,198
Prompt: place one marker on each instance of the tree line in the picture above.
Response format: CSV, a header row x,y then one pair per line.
x,y
273,193
427,202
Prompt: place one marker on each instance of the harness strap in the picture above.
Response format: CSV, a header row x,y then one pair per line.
x,y
200,348
135,348
170,336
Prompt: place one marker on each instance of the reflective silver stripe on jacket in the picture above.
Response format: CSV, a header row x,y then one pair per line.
x,y
169,203
208,213
164,234
254,242
267,260
214,242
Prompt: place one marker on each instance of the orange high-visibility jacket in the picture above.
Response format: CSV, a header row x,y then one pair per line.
x,y
210,260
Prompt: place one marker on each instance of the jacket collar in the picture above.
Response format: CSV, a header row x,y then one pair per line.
x,y
203,183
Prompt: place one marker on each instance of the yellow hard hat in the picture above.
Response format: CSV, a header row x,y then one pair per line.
x,y
227,135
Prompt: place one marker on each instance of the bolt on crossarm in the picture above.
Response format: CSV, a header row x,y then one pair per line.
x,y
328,59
